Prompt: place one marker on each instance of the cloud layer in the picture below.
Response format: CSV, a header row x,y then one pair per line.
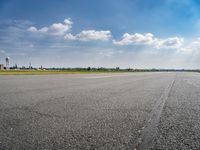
x,y
143,39
147,39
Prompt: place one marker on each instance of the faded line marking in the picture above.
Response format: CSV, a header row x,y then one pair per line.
x,y
96,77
149,131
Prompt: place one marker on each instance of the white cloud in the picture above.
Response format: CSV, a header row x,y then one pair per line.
x,y
69,36
151,40
172,42
32,29
137,38
90,35
56,29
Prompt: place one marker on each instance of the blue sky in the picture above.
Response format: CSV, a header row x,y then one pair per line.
x,y
106,33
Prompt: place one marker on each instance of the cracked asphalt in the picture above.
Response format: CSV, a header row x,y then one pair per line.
x,y
100,111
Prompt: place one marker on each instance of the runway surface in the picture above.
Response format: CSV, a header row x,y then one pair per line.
x,y
100,111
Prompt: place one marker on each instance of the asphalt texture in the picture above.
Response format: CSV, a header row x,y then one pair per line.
x,y
100,111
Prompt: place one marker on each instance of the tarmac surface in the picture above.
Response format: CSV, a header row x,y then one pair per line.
x,y
100,111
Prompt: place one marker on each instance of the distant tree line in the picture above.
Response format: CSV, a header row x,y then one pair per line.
x,y
117,69
103,69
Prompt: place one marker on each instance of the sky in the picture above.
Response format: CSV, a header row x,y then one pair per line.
x,y
101,33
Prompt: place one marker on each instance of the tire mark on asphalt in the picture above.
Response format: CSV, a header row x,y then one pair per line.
x,y
149,131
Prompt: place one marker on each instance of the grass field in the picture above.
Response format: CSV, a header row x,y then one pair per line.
x,y
48,72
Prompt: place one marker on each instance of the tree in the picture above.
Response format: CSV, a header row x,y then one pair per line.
x,y
88,68
117,68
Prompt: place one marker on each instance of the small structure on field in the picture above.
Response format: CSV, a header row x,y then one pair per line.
x,y
7,62
30,66
1,67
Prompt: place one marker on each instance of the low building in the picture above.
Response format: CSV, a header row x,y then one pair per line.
x,y
1,67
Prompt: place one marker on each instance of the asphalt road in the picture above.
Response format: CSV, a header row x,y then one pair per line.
x,y
102,111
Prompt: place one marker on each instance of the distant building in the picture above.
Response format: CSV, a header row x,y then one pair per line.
x,y
1,67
